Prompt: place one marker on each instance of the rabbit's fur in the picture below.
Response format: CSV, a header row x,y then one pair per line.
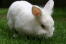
x,y
21,17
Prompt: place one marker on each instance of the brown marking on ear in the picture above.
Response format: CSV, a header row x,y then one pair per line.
x,y
36,11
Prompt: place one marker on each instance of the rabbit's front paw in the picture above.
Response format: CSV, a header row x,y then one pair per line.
x,y
49,34
41,32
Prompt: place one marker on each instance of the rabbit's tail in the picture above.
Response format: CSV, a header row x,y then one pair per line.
x,y
10,19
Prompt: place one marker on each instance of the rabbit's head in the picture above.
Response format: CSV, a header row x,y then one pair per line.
x,y
43,15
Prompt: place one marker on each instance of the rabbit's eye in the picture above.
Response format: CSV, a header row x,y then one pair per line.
x,y
42,26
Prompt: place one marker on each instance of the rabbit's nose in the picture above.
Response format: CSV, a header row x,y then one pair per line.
x,y
42,26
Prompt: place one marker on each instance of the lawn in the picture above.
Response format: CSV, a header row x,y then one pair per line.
x,y
59,37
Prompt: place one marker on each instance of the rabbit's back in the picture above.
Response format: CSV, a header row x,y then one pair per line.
x,y
20,7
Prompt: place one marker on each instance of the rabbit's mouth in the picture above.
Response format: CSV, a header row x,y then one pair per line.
x,y
43,26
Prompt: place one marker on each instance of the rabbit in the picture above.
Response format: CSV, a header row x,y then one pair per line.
x,y
31,19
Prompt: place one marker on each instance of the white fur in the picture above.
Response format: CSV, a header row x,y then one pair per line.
x,y
21,18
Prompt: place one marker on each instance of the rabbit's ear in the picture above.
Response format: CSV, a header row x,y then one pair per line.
x,y
49,5
36,11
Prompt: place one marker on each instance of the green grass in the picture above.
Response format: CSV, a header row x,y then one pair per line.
x,y
58,38
3,11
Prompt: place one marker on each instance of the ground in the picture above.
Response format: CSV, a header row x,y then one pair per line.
x,y
59,36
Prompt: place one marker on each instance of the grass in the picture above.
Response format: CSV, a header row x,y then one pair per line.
x,y
3,11
58,38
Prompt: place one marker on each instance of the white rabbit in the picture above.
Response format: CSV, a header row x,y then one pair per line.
x,y
31,19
